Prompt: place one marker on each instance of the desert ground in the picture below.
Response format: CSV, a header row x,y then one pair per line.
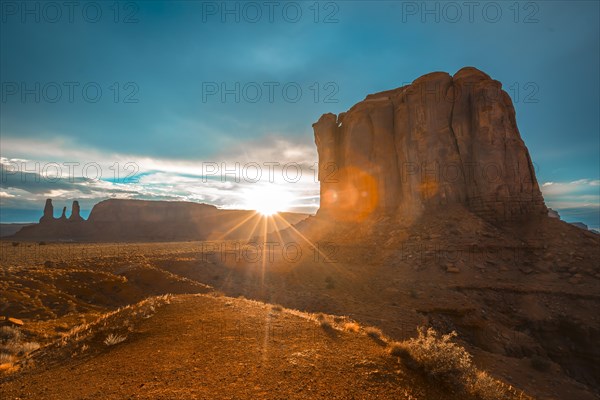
x,y
289,317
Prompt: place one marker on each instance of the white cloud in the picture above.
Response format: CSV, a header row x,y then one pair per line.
x,y
271,159
573,187
576,201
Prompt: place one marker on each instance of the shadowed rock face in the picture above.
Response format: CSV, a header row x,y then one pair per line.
x,y
75,212
441,140
48,212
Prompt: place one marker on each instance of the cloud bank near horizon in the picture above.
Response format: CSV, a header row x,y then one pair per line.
x,y
226,181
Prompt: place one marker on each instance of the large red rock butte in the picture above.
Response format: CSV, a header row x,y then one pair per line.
x,y
441,140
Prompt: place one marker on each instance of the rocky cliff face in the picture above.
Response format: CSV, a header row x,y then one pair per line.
x,y
441,140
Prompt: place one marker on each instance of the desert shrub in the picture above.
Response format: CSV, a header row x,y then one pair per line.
x,y
29,347
326,324
351,327
15,244
113,339
324,321
109,329
450,364
18,348
12,350
9,333
484,387
437,356
375,334
540,363
397,349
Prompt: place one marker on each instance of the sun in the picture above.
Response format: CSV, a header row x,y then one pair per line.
x,y
268,200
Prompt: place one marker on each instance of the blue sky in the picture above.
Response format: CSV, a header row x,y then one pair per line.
x,y
155,63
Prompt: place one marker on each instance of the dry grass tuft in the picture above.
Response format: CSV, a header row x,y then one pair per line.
x,y
375,334
398,349
7,363
30,347
436,355
351,327
110,329
7,358
9,333
13,349
113,339
325,322
444,361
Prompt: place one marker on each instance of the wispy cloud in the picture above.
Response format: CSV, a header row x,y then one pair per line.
x,y
576,201
67,173
577,186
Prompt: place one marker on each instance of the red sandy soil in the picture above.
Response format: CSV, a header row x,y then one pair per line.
x,y
515,294
203,347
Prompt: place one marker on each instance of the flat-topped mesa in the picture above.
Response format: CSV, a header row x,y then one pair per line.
x,y
142,211
441,140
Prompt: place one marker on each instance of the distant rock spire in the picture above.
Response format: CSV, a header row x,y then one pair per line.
x,y
75,212
48,212
63,216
